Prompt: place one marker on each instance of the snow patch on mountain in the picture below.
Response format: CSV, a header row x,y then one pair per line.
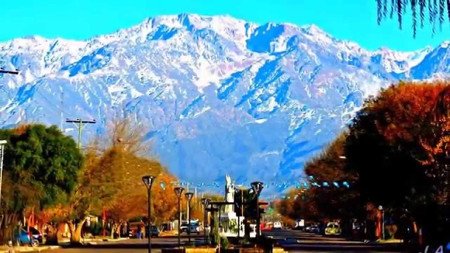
x,y
219,95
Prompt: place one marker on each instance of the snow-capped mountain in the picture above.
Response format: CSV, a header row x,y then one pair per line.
x,y
219,95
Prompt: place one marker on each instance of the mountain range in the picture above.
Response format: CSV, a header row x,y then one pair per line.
x,y
219,95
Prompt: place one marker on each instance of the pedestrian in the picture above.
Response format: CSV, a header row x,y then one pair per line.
x,y
138,232
124,229
143,232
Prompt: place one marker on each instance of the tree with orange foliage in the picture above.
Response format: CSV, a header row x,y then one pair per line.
x,y
111,180
126,161
437,142
392,144
384,142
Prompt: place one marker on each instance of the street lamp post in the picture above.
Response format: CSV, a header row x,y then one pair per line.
x,y
189,196
205,203
178,192
2,148
380,208
148,181
241,204
257,188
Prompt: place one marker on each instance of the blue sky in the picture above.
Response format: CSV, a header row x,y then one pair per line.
x,y
81,19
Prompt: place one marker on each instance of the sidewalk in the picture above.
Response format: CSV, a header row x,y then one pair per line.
x,y
4,249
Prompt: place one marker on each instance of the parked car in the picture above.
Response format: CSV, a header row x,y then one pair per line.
x,y
277,225
194,228
134,228
313,228
299,224
308,228
154,231
184,227
33,238
36,234
333,228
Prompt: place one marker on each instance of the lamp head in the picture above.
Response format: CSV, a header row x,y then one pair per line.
x,y
178,191
257,187
189,195
148,181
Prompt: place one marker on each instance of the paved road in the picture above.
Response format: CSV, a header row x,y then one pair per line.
x,y
297,241
130,245
291,240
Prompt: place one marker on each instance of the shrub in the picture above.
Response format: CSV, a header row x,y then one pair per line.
x,y
224,244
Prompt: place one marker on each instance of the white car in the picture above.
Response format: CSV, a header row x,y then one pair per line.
x,y
277,225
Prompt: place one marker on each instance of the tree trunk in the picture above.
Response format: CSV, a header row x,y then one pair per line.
x,y
75,231
113,229
60,229
52,235
7,229
118,229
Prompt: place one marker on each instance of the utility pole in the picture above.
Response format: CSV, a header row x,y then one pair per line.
x,y
61,113
79,123
187,205
2,148
12,72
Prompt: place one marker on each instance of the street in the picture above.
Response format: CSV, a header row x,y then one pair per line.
x,y
298,241
290,240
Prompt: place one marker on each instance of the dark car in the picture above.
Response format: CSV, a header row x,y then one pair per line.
x,y
33,238
195,229
154,231
36,234
313,228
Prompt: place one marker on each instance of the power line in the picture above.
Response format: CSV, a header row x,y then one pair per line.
x,y
12,72
80,125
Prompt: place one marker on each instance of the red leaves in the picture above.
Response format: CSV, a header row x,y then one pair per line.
x,y
403,110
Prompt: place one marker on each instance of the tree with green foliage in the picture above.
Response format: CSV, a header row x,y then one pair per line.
x,y
40,170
